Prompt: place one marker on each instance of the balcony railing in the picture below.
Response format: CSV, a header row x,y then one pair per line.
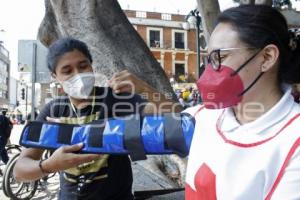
x,y
169,44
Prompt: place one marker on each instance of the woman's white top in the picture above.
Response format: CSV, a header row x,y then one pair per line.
x,y
255,161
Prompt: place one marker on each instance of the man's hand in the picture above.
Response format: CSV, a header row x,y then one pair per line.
x,y
65,158
125,81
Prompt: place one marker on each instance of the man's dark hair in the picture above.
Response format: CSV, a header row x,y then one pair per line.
x,y
4,112
62,46
261,25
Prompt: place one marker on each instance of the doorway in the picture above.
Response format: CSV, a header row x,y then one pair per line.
x,y
179,73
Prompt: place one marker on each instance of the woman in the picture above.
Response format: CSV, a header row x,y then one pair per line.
x,y
246,143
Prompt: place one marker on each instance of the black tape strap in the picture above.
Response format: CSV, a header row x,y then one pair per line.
x,y
35,129
96,136
65,134
133,139
174,134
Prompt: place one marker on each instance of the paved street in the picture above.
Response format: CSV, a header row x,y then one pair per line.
x,y
50,190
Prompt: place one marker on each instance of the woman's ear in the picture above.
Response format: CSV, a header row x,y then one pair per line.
x,y
271,56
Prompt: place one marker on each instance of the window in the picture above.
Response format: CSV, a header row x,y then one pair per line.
x,y
141,14
179,40
3,67
154,38
2,80
166,17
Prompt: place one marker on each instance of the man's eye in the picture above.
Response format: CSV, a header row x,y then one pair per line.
x,y
66,72
83,66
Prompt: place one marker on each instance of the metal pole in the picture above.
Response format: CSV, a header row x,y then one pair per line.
x,y
33,79
198,47
26,100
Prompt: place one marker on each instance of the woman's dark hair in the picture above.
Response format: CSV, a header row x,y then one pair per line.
x,y
62,46
260,25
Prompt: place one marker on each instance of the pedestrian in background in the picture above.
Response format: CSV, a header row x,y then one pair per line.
x,y
5,131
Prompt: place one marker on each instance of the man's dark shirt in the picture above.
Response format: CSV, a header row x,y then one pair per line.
x,y
111,175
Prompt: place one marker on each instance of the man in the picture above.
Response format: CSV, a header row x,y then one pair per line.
x,y
5,130
87,176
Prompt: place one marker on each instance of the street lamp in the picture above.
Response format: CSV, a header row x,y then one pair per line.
x,y
194,19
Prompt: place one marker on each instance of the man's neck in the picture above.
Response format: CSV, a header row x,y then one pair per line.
x,y
81,103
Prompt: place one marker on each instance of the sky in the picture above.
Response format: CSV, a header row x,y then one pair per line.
x,y
20,19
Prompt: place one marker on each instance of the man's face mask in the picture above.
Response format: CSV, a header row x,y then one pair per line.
x,y
220,86
80,85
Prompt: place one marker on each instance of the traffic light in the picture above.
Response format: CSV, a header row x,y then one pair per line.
x,y
23,93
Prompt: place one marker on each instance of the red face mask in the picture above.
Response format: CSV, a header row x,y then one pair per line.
x,y
223,88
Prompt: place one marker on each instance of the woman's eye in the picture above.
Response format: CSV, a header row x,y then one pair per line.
x,y
215,57
222,57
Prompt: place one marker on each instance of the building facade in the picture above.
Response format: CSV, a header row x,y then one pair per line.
x,y
4,77
173,47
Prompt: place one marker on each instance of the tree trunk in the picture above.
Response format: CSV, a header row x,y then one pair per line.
x,y
115,46
266,2
209,10
113,41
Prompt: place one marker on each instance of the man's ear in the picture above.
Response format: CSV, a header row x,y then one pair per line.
x,y
271,57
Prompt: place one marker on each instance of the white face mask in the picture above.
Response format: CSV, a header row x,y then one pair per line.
x,y
79,86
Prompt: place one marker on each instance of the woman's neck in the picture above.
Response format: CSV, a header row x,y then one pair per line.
x,y
250,110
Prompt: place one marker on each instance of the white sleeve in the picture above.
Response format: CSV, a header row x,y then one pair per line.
x,y
289,186
192,110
